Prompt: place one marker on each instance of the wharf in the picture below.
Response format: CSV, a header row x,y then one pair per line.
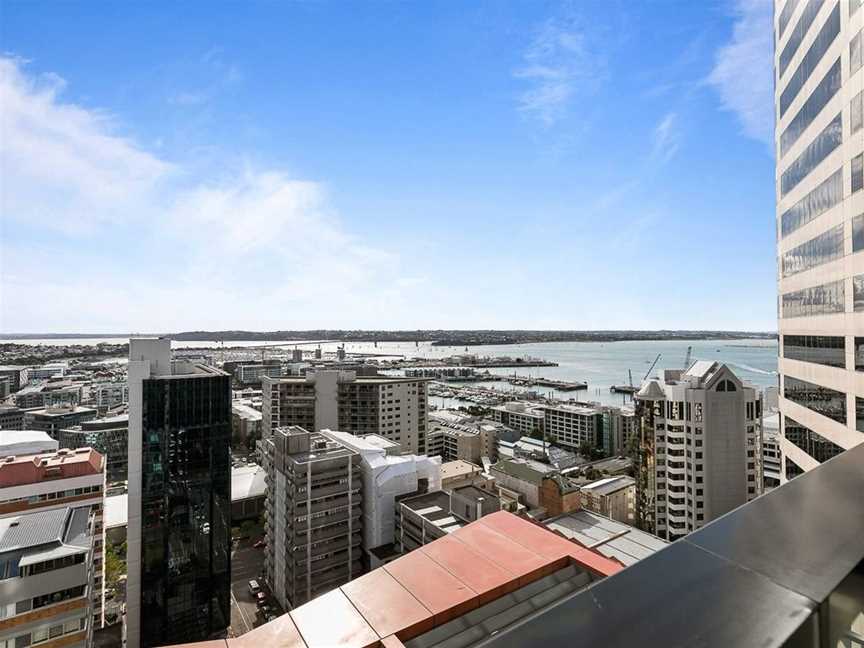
x,y
560,385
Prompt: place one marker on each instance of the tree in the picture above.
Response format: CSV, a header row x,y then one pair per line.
x,y
115,567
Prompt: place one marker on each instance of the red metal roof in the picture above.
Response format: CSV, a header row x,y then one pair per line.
x,y
427,587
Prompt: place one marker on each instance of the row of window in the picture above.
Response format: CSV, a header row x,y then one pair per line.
x,y
822,400
798,33
785,17
856,113
811,59
827,350
809,441
816,300
815,203
856,52
826,247
822,145
820,97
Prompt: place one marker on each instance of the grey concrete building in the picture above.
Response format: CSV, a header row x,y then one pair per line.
x,y
699,448
819,138
314,525
109,436
54,419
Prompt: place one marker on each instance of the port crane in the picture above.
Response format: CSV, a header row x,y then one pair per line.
x,y
651,368
687,358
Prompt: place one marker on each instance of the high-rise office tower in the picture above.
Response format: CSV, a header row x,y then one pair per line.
x,y
699,454
390,406
819,143
179,533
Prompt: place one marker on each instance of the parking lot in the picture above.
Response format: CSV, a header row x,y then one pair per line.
x,y
246,565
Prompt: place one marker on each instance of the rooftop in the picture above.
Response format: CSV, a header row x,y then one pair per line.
x,y
61,526
613,539
476,580
524,469
62,464
609,485
248,482
458,468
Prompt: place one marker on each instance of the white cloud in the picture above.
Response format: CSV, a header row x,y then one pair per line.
x,y
743,70
557,67
255,248
665,139
64,166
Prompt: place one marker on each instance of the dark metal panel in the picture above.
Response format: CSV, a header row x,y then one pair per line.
x,y
681,597
806,535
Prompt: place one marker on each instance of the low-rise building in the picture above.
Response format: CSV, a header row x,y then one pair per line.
x,y
56,418
245,422
425,518
58,480
25,442
248,492
459,473
614,497
46,590
109,436
559,494
106,395
13,372
48,394
12,417
608,537
520,480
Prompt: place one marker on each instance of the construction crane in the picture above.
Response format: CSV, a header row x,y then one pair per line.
x,y
687,358
651,368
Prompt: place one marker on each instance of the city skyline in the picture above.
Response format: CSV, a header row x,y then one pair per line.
x,y
397,167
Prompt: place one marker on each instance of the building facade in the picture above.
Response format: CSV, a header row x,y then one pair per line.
x,y
572,426
46,583
314,516
820,228
57,480
54,419
392,407
179,529
109,436
699,453
614,497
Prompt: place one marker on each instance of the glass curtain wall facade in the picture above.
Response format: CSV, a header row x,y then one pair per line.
x,y
185,508
819,145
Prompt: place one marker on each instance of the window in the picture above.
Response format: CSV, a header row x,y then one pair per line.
x,y
818,349
785,17
824,248
859,414
821,146
859,354
811,59
857,169
820,96
815,203
856,113
817,300
823,400
726,385
858,293
798,33
854,5
855,54
815,445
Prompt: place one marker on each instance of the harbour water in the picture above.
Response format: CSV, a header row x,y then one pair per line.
x,y
600,364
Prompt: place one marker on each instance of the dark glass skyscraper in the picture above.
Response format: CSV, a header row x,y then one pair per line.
x,y
179,465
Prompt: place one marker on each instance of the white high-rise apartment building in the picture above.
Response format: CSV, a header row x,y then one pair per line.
x,y
819,138
699,448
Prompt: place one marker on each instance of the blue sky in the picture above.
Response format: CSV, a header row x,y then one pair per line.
x,y
267,165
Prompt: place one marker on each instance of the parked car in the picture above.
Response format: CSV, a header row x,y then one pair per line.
x,y
254,588
261,598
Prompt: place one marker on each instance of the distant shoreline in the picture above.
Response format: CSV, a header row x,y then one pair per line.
x,y
435,337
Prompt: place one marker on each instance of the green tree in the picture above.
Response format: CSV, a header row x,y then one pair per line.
x,y
115,567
